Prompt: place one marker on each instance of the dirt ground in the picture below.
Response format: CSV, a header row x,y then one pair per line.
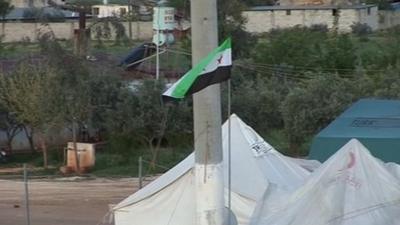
x,y
62,201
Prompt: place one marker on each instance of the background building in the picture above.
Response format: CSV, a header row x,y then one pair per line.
x,y
264,18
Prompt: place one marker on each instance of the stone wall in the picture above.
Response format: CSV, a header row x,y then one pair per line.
x,y
388,19
263,21
17,31
313,17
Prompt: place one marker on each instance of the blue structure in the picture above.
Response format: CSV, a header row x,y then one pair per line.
x,y
376,123
136,55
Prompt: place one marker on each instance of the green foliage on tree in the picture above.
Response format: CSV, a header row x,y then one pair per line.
x,y
256,99
306,49
5,8
9,125
141,115
107,28
31,94
308,109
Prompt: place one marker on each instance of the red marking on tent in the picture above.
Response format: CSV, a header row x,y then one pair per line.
x,y
351,163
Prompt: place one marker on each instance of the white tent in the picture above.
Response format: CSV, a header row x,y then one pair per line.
x,y
350,188
256,166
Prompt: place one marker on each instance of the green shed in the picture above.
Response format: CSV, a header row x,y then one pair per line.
x,y
376,123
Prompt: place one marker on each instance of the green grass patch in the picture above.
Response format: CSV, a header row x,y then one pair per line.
x,y
115,164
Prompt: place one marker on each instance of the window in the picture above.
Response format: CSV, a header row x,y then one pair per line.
x,y
122,11
288,12
369,11
96,11
334,12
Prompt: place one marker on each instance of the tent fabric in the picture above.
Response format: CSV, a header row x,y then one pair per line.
x,y
351,188
164,180
394,169
256,162
255,167
308,164
174,206
375,123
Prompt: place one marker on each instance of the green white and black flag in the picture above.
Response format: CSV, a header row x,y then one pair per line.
x,y
214,68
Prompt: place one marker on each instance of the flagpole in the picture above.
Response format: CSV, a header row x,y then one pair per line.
x,y
229,155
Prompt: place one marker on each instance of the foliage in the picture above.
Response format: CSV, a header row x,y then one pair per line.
x,y
306,49
295,46
28,92
103,28
5,8
140,113
31,94
9,125
308,109
257,99
388,85
361,29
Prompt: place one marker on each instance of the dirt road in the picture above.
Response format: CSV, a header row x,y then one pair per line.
x,y
62,201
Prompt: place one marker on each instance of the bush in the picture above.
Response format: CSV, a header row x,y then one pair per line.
x,y
319,28
310,107
361,29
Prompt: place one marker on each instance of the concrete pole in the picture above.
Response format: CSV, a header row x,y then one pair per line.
x,y
207,121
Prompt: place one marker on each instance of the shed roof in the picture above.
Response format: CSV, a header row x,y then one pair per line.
x,y
18,13
367,118
376,123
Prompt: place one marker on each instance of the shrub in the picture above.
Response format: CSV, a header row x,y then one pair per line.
x,y
361,29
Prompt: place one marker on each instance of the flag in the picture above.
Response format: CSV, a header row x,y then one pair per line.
x,y
214,68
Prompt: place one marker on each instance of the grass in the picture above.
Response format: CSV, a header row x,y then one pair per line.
x,y
18,50
115,164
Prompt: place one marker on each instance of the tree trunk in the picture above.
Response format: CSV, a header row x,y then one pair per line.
x,y
9,145
43,146
294,149
11,133
77,165
29,136
155,150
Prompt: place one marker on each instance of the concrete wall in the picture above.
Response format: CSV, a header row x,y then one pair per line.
x,y
313,17
371,18
35,3
263,21
388,19
16,31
